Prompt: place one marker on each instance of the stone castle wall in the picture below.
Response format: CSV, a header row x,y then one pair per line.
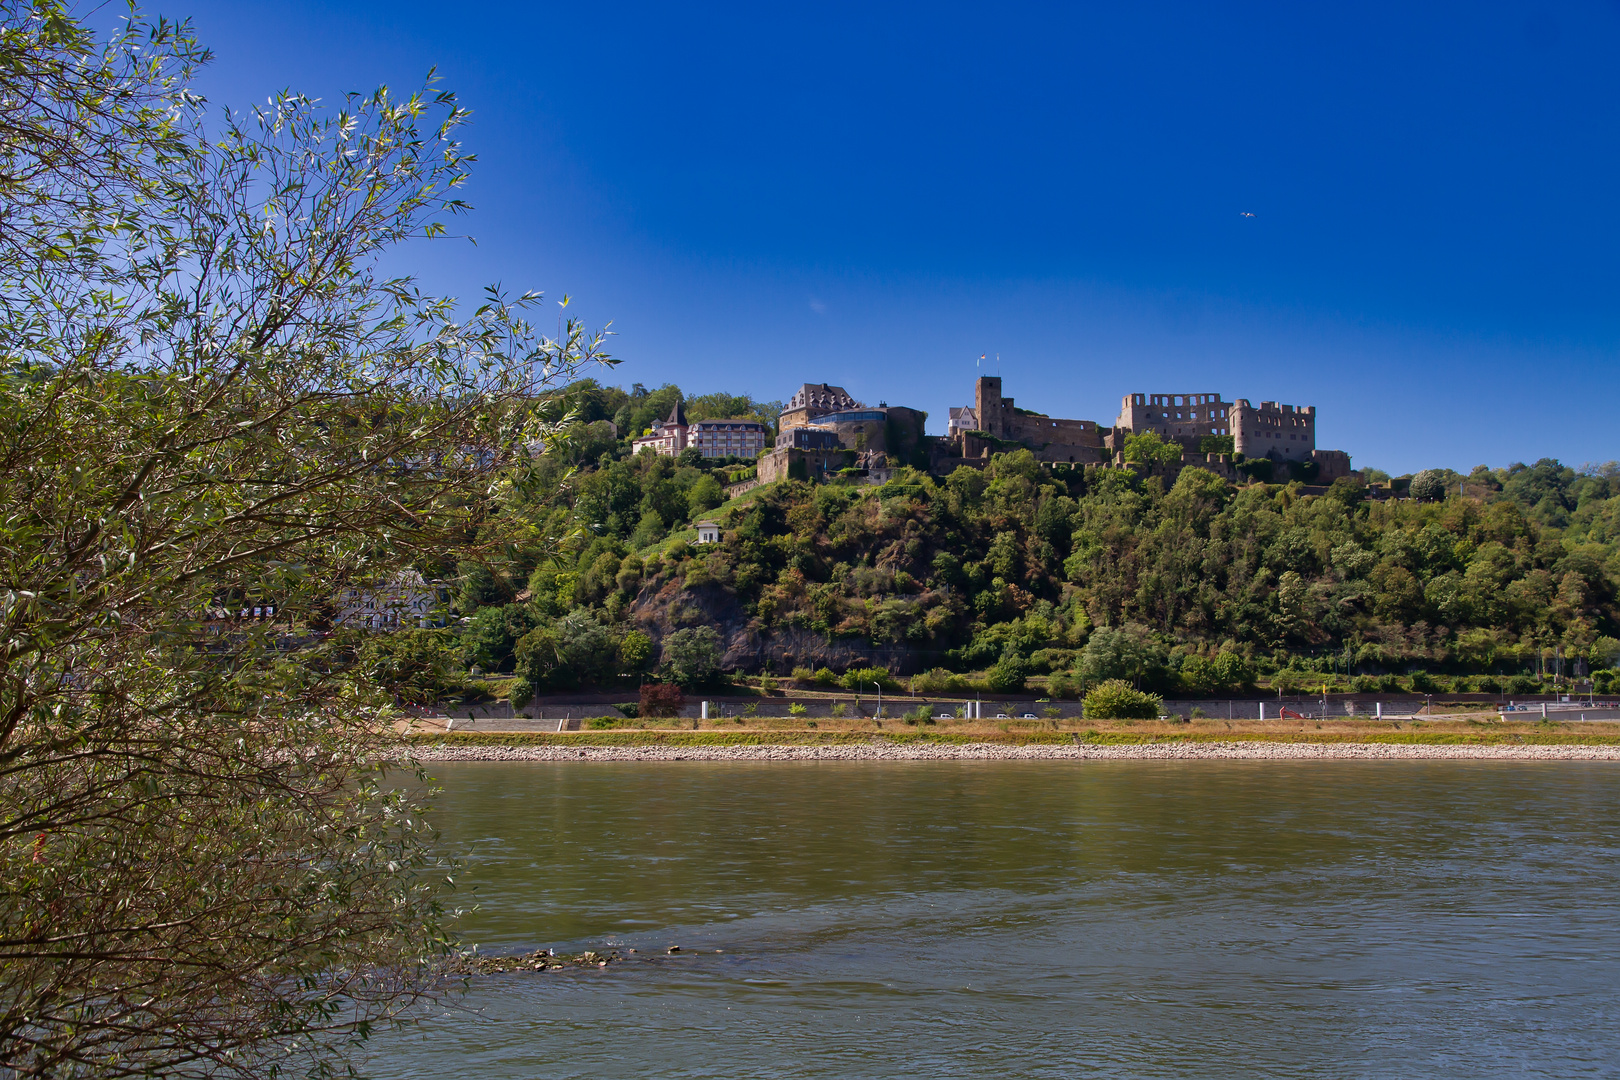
x,y
1049,438
791,463
1179,418
1279,432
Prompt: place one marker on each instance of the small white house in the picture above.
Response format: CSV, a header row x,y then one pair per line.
x,y
708,532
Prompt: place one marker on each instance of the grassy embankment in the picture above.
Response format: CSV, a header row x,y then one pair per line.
x,y
1438,732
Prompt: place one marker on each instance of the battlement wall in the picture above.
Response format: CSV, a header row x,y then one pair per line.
x,y
1280,432
1050,438
1179,418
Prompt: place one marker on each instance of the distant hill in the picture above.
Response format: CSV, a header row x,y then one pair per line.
x,y
1084,574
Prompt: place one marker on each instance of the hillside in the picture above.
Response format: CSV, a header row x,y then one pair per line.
x,y
1016,570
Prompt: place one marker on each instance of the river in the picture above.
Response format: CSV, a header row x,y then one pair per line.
x,y
1036,919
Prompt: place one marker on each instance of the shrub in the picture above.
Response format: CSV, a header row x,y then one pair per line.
x,y
635,651
520,693
1389,684
577,648
938,681
1364,684
919,715
662,699
797,709
1522,684
862,679
487,641
1117,699
840,709
767,685
826,677
803,675
1061,686
1488,684
1052,712
693,655
1224,673
1424,683
417,666
629,710
1603,680
1256,468
1429,485
1111,654
1146,447
1288,681
1006,676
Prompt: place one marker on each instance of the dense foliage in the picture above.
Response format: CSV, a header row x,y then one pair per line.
x,y
214,405
1090,574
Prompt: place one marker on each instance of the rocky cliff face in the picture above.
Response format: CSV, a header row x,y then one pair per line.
x,y
669,605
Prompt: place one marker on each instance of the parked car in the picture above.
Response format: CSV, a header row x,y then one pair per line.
x,y
945,716
1029,716
1002,716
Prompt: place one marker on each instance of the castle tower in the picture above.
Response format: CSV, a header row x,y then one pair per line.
x,y
990,406
1279,432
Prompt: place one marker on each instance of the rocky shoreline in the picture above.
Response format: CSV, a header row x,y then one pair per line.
x,y
541,960
476,963
1165,751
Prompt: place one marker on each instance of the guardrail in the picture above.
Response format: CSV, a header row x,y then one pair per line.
x,y
1562,710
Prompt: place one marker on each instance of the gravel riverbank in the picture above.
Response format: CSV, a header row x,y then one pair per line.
x,y
1167,751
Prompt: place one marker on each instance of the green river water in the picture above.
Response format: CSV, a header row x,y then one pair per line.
x,y
1040,919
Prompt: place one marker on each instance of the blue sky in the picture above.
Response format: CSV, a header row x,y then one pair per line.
x,y
763,195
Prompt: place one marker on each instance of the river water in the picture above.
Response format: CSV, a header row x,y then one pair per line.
x,y
1040,919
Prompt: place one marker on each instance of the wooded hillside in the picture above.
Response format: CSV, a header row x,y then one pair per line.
x,y
1019,570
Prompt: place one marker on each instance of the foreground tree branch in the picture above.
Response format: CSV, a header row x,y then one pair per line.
x,y
209,397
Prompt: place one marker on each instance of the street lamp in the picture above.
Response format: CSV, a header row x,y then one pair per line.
x,y
880,698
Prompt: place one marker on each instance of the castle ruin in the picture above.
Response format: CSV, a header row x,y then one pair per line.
x,y
824,431
1182,418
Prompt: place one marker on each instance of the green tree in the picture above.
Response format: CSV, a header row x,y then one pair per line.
x,y
693,656
1110,654
1006,676
487,641
561,655
1429,485
1119,700
1147,448
416,666
706,494
211,395
635,652
864,679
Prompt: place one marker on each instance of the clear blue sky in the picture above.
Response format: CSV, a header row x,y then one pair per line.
x,y
763,195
